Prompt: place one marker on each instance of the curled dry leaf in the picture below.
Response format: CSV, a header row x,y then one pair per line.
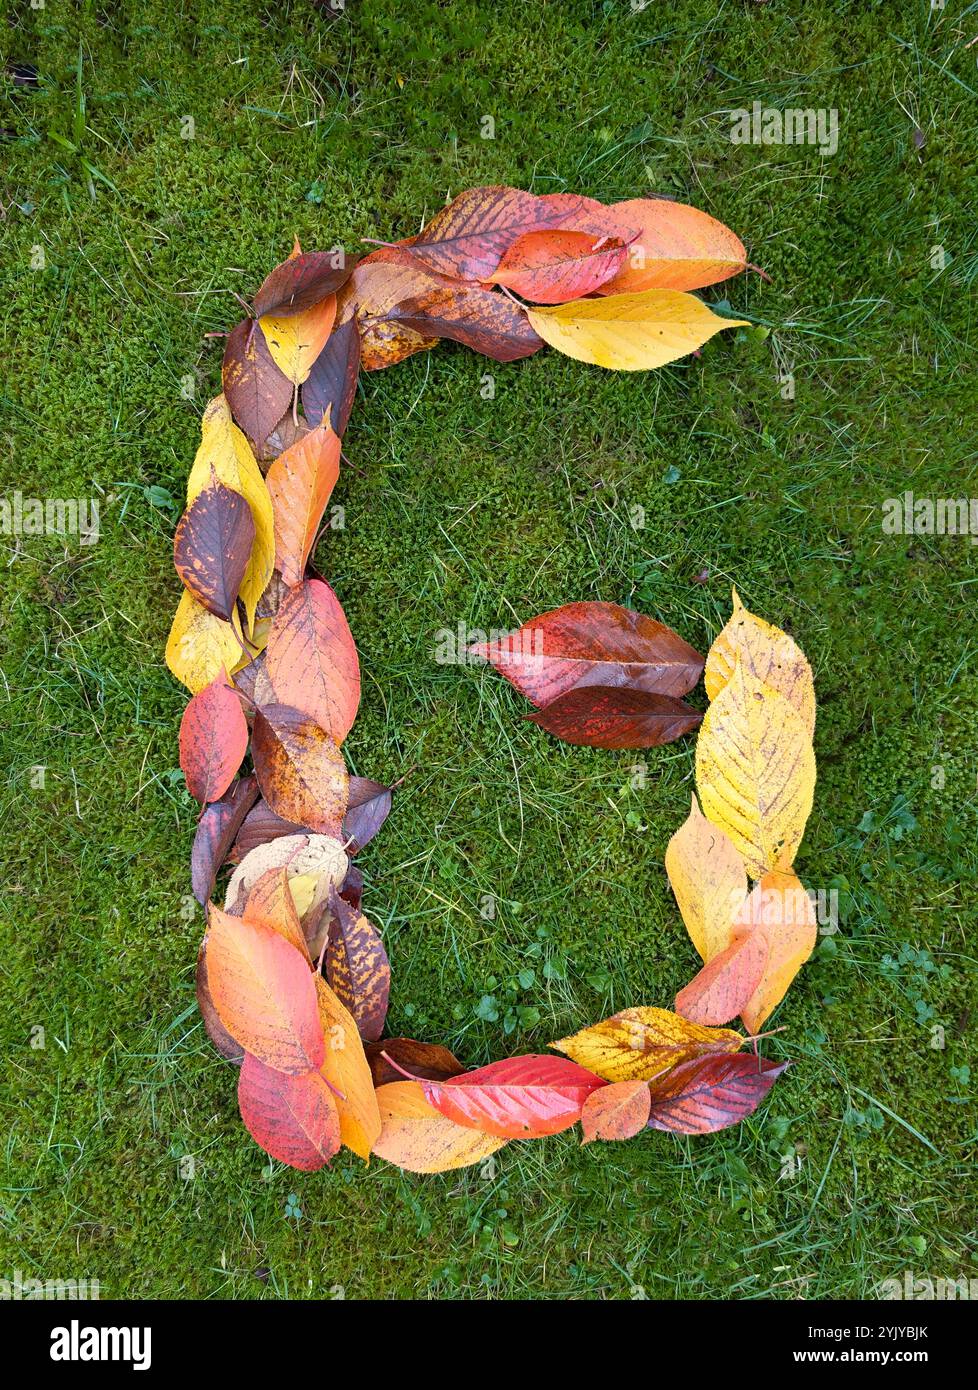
x,y
677,248
357,967
300,482
368,807
711,1093
216,831
642,1043
709,880
200,647
766,653
519,1098
345,1068
467,238
427,1060
554,266
630,332
312,659
329,389
213,740
292,1117
263,992
618,1111
300,769
588,644
598,716
321,856
416,1137
722,988
212,546
755,771
255,387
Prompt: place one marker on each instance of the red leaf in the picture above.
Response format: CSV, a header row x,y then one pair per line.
x,y
312,658
216,830
711,1093
332,383
300,769
520,1098
302,281
367,809
483,320
586,644
293,1118
724,985
357,967
257,390
213,740
468,238
554,266
212,546
599,716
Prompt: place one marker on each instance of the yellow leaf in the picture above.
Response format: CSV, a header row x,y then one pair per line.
x,y
768,653
200,645
709,880
780,908
415,1136
643,1043
296,340
755,771
225,453
347,1069
630,332
303,888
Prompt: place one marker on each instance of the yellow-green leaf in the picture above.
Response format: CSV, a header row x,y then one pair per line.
x,y
200,645
630,332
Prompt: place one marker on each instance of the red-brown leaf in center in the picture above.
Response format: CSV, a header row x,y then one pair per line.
x,y
599,716
293,1118
300,482
468,238
216,830
332,383
554,266
483,320
213,740
711,1093
312,658
520,1098
586,644
300,769
300,282
212,546
257,390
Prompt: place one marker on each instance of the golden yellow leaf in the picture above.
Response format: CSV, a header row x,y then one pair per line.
x,y
755,771
709,880
200,645
630,332
225,453
346,1068
415,1136
768,653
296,340
642,1043
781,909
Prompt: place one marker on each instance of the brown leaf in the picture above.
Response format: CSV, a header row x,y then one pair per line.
x,y
381,281
357,967
711,1093
367,809
257,390
261,824
332,384
598,716
212,546
216,831
468,238
300,769
428,1060
301,282
487,322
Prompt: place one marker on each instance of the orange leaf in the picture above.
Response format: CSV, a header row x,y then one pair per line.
x,y
346,1069
300,769
553,266
293,1118
312,659
618,1111
709,880
271,904
677,248
780,909
300,482
415,1136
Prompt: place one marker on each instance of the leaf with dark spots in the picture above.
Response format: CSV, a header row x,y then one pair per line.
x,y
482,319
367,809
600,716
300,769
257,390
332,383
216,831
357,967
302,281
212,546
427,1060
711,1093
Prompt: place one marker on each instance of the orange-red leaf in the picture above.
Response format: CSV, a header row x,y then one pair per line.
x,y
263,992
617,1111
711,1093
300,483
554,266
292,1117
677,248
213,740
270,903
312,658
300,769
519,1098
724,985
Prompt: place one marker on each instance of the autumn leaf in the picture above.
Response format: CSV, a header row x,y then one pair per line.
x,y
677,248
296,340
292,1117
256,389
711,1093
380,282
420,1140
428,1060
724,985
554,266
755,771
261,825
212,546
780,910
367,809
270,903
320,855
709,880
641,1043
331,385
216,831
345,1067
618,1111
520,1098
577,213
312,659
300,483
224,1043
225,454
487,322
300,768
768,654
200,646
263,992
213,740
357,967
600,716
467,238
302,282
630,332
592,644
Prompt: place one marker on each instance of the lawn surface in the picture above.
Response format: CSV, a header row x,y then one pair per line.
x,y
484,508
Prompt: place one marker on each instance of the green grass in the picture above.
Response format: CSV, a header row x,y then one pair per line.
x,y
461,509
